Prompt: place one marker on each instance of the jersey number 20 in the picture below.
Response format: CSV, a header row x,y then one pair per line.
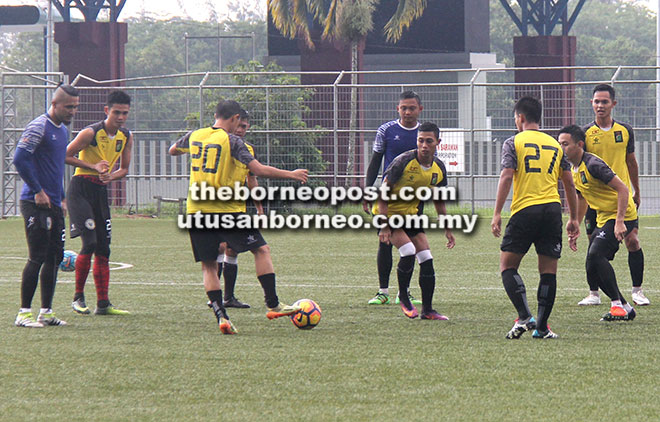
x,y
203,153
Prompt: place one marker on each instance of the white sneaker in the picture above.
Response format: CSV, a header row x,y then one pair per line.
x,y
49,319
640,299
590,300
24,319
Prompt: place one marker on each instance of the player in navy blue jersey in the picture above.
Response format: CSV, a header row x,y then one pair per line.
x,y
393,138
39,160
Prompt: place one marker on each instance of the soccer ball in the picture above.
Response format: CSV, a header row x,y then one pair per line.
x,y
309,316
68,263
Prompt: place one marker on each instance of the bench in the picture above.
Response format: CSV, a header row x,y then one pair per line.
x,y
159,200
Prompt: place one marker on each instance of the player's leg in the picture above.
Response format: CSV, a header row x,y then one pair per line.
x,y
214,293
384,264
593,298
636,265
221,258
405,269
82,221
101,268
55,242
546,293
426,277
205,245
35,232
548,242
252,240
516,241
230,274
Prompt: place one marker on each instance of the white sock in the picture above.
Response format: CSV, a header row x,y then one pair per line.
x,y
24,310
384,291
636,290
45,311
617,303
627,307
594,293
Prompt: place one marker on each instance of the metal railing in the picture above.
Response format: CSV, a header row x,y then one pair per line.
x,y
299,122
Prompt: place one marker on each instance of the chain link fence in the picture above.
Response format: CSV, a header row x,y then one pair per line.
x,y
299,122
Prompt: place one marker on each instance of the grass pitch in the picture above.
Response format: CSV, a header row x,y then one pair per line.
x,y
167,361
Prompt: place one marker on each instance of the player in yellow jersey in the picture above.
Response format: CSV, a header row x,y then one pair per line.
x,y
215,153
98,147
605,192
614,142
415,169
228,258
533,162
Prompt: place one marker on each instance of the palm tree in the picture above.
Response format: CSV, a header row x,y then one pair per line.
x,y
348,20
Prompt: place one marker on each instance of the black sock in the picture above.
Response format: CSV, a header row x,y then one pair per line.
x,y
384,263
48,278
220,265
215,296
268,284
636,265
404,273
231,270
77,296
29,283
592,279
515,288
427,284
546,299
598,264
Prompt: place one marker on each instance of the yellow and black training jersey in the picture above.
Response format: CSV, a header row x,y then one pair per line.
x,y
538,161
214,155
405,170
612,146
103,147
591,179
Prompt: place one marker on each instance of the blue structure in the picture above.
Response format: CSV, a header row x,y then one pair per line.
x,y
543,15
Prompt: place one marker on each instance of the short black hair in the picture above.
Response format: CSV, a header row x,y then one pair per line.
x,y
605,87
529,107
406,95
68,89
118,97
576,132
430,127
244,115
227,108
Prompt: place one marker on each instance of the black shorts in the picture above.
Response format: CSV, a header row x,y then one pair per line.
x,y
45,233
205,242
603,241
89,212
538,224
590,220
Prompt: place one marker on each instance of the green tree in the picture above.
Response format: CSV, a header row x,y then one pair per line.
x,y
286,111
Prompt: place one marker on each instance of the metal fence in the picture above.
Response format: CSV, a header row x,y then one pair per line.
x,y
298,121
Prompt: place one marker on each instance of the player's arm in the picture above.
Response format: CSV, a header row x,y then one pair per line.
x,y
385,233
124,163
572,227
633,171
24,163
271,172
174,150
181,146
372,175
80,142
503,189
622,193
252,183
441,209
582,206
